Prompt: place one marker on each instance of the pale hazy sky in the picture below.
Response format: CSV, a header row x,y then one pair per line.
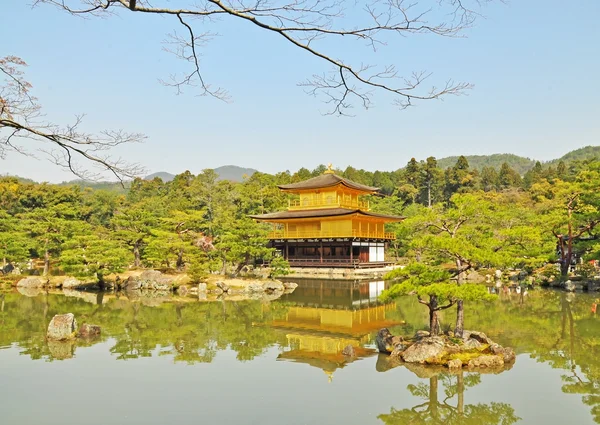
x,y
535,65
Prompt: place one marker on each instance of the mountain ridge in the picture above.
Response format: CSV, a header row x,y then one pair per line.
x,y
236,173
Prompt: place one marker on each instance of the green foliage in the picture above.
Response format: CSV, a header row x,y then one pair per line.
x,y
586,271
478,162
86,254
279,267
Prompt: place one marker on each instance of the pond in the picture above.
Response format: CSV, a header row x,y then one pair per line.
x,y
249,362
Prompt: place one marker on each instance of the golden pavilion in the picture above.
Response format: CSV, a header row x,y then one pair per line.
x,y
329,224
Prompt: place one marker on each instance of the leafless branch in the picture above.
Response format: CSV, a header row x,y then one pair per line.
x,y
21,122
306,25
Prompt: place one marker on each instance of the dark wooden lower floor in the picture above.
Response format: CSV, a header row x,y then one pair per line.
x,y
332,253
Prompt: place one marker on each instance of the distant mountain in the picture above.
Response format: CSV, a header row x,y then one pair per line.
x,y
226,172
163,175
99,185
587,152
234,173
518,163
22,180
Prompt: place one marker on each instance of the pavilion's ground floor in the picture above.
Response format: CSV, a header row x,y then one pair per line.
x,y
342,252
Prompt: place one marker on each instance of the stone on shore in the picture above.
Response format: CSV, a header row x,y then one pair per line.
x,y
70,283
151,280
62,327
32,282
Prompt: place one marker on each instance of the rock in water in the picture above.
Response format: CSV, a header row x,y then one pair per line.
x,y
273,286
398,350
349,351
486,361
62,327
507,353
455,364
89,331
223,286
183,290
290,285
32,282
384,341
425,350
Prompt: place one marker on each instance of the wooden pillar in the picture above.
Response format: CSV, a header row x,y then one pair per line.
x,y
287,251
321,252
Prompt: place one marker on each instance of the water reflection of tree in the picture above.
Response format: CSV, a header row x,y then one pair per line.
x,y
551,326
450,408
189,332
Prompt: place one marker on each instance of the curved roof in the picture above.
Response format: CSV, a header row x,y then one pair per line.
x,y
327,180
331,212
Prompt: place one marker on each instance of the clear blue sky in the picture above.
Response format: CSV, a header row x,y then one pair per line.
x,y
535,65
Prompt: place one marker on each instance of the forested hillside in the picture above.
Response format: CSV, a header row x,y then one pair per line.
x,y
520,164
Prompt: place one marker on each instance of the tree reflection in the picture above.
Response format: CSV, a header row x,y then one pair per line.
x,y
188,331
449,408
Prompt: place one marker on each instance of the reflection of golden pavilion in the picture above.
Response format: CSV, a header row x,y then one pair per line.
x,y
327,316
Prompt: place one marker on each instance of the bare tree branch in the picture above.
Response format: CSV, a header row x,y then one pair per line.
x,y
306,25
21,121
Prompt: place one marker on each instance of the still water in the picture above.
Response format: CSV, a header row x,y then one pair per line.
x,y
184,361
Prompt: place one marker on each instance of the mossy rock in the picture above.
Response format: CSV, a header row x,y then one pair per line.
x,y
464,357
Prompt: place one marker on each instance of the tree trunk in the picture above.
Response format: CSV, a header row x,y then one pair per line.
x,y
460,319
101,282
434,323
46,263
429,194
179,263
137,261
460,309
